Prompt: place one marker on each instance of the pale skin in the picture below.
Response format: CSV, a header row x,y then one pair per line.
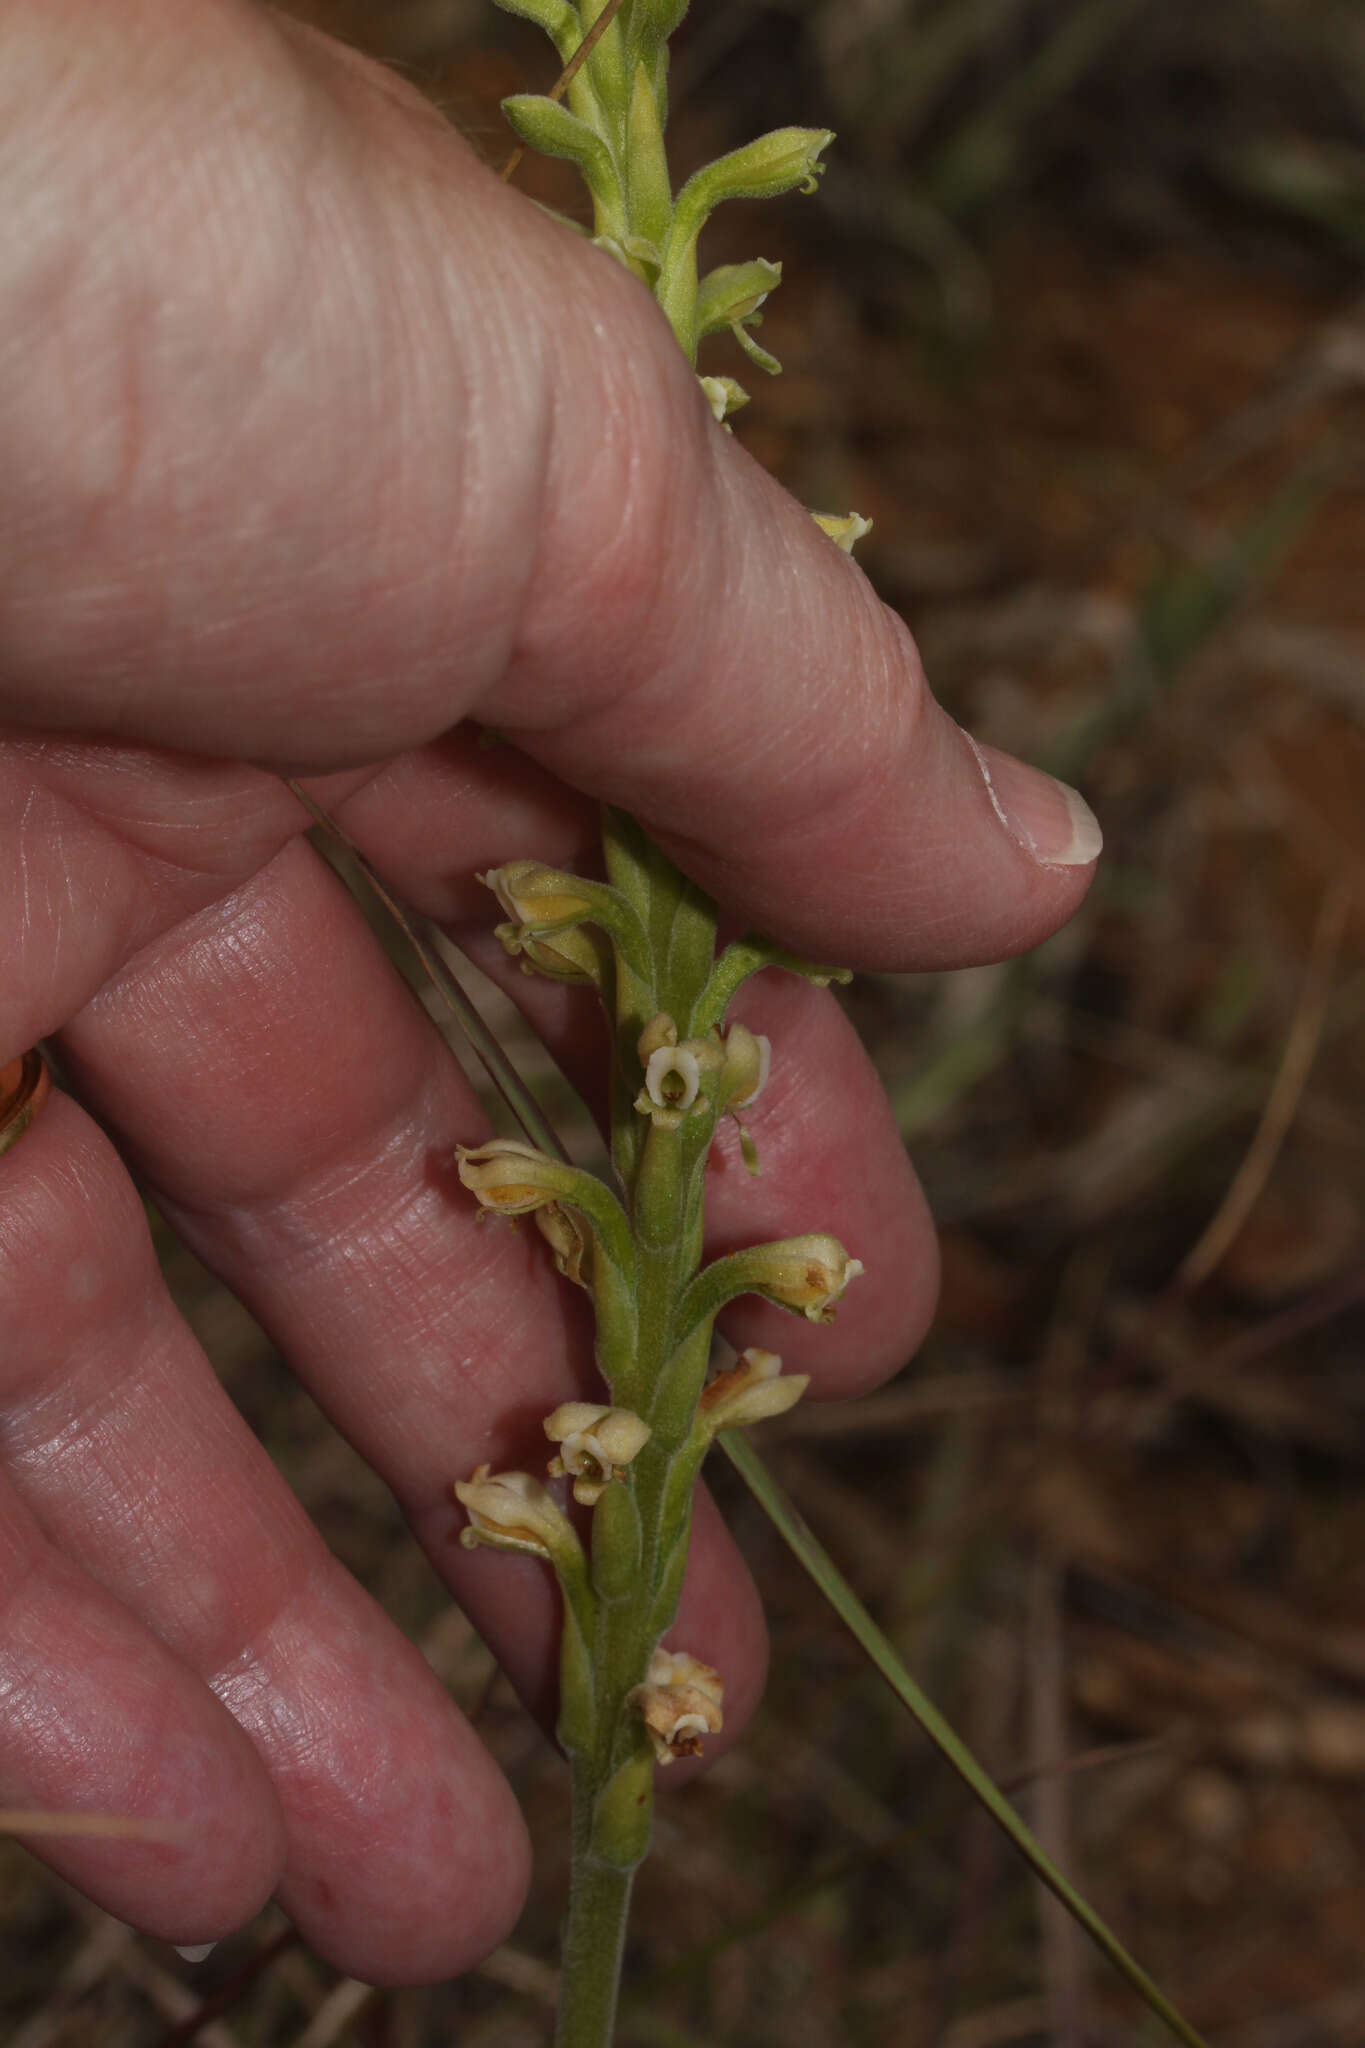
x,y
318,445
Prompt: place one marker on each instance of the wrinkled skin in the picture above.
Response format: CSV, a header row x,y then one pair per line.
x,y
316,445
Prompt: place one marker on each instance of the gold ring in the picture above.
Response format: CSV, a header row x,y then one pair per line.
x,y
24,1088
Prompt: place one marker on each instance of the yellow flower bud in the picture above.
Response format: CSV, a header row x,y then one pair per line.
x,y
748,1061
536,896
845,529
572,954
659,1031
724,395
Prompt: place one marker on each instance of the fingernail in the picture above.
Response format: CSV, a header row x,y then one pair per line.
x,y
1052,822
197,1951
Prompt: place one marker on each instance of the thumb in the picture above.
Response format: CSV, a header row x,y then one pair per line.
x,y
344,442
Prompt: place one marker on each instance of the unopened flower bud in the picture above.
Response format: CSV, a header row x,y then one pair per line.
x,y
764,169
538,897
679,1703
659,1031
748,1061
805,1274
733,293
510,1176
512,1511
635,253
596,1443
845,529
572,955
724,395
754,1388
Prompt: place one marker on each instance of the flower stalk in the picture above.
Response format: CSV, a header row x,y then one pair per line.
x,y
646,940
629,1461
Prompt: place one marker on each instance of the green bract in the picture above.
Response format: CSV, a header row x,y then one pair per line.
x,y
549,127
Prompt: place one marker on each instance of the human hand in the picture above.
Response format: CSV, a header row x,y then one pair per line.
x,y
318,446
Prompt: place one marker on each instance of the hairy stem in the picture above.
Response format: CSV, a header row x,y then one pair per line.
x,y
594,1938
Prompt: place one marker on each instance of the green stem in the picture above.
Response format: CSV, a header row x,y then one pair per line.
x,y
594,1941
626,1621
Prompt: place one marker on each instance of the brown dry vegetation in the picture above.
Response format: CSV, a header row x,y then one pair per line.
x,y
1076,320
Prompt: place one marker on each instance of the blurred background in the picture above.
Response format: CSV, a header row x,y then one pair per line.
x,y
1078,318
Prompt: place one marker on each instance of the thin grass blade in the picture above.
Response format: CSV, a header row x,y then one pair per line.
x,y
846,1604
428,943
